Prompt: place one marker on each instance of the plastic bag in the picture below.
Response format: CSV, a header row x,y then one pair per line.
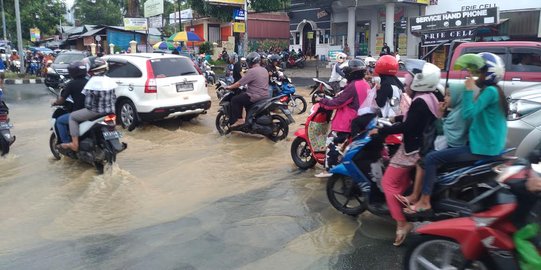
x,y
529,258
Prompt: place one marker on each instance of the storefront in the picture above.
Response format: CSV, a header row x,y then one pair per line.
x,y
310,26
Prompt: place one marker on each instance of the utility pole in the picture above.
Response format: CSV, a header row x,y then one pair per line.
x,y
245,28
3,20
180,18
19,33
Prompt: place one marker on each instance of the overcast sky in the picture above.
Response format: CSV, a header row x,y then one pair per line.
x,y
69,3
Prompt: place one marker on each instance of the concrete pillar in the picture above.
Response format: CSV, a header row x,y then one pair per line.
x,y
111,48
389,25
93,48
352,23
133,46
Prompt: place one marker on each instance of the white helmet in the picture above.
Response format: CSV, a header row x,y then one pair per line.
x,y
370,61
341,57
427,80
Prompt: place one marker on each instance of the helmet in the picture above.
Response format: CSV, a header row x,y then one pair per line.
x,y
77,69
13,51
427,79
233,57
253,58
370,61
387,65
274,58
355,70
494,68
341,57
96,64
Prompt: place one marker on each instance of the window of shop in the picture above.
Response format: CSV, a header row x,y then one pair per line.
x,y
324,36
525,60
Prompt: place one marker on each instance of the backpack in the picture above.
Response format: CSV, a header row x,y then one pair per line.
x,y
392,106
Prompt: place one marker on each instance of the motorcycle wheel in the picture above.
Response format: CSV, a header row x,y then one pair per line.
x,y
222,123
280,128
4,146
300,65
128,114
53,141
344,195
297,104
301,154
431,252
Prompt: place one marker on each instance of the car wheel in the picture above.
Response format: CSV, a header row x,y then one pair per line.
x,y
128,114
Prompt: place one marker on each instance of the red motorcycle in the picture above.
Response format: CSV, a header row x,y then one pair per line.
x,y
310,143
485,239
299,62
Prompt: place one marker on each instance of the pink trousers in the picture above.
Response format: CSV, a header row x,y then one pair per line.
x,y
396,180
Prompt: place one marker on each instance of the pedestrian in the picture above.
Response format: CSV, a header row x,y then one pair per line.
x,y
385,50
346,49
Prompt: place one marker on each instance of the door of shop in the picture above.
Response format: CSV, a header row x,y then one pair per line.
x,y
308,40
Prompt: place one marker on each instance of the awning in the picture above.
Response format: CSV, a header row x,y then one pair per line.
x,y
523,23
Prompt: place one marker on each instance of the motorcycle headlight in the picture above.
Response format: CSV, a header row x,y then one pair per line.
x,y
519,108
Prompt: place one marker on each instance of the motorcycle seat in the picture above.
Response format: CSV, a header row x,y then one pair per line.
x,y
87,125
324,83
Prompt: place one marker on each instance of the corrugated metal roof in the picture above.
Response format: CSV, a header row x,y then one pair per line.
x,y
92,32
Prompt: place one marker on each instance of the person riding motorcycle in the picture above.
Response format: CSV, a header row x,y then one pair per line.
x,y
337,73
257,80
390,86
273,68
100,99
234,68
78,72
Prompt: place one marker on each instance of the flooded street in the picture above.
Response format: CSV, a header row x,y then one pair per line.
x,y
180,197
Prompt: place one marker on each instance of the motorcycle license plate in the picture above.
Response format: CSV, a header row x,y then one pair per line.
x,y
111,135
183,87
5,126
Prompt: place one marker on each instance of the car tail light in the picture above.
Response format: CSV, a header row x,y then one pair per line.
x,y
150,85
110,118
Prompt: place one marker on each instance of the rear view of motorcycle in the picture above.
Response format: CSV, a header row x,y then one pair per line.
x,y
6,139
286,90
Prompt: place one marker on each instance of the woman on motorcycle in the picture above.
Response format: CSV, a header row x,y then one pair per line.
x,y
423,111
346,105
488,129
390,87
100,99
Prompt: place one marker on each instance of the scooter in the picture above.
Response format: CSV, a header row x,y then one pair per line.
x,y
220,88
260,118
6,139
299,62
490,238
322,89
283,87
210,76
15,66
99,142
355,185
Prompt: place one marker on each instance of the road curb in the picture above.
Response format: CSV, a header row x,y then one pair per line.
x,y
23,81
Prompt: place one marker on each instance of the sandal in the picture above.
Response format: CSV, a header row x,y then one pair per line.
x,y
402,234
414,211
404,201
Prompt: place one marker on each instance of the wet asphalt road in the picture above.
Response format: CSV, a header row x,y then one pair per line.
x,y
277,218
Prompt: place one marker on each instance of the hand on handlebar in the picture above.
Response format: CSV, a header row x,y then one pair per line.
x,y
533,184
373,132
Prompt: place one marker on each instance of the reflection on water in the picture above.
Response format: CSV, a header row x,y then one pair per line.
x,y
176,184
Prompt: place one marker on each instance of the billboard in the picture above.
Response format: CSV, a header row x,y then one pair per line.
x,y
135,24
35,34
239,27
226,2
153,8
454,20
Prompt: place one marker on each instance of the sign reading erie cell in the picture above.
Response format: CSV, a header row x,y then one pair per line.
x,y
454,20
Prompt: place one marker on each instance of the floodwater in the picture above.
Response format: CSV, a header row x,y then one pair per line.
x,y
180,197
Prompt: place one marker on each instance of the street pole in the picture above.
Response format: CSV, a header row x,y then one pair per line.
x,y
19,33
245,28
3,19
180,17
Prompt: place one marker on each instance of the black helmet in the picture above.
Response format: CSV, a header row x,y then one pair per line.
x,y
355,70
274,58
96,64
77,69
253,58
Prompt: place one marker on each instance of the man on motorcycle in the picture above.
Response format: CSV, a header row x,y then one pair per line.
x,y
257,81
337,74
100,99
77,71
273,68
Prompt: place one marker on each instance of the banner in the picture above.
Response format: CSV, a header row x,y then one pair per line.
x,y
135,24
454,20
35,34
226,2
155,22
239,27
239,15
153,8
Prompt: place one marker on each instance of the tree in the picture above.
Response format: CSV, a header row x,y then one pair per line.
x,y
107,12
225,13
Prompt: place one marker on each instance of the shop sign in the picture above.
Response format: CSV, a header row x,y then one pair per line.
x,y
322,14
239,27
135,24
155,22
35,34
226,2
310,35
239,14
431,38
458,19
423,2
153,8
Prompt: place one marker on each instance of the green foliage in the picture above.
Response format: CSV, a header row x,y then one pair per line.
x,y
266,44
106,12
206,48
225,13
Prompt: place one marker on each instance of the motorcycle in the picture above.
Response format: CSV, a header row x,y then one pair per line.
x,y
210,76
321,90
6,139
260,118
299,62
283,88
220,88
55,80
33,67
355,185
489,239
15,66
99,142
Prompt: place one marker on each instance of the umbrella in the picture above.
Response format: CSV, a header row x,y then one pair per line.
x,y
163,45
185,36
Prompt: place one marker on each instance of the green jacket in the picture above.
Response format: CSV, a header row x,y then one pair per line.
x,y
488,130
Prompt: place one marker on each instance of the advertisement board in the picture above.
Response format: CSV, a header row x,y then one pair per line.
x,y
462,5
135,24
239,14
239,27
453,20
35,34
436,37
155,22
153,8
226,2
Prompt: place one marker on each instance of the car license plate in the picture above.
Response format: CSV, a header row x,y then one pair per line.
x,y
183,87
110,135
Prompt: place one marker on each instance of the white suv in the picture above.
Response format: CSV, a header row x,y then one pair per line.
x,y
156,86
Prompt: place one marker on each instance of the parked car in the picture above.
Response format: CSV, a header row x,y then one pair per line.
x,y
59,69
524,120
155,86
